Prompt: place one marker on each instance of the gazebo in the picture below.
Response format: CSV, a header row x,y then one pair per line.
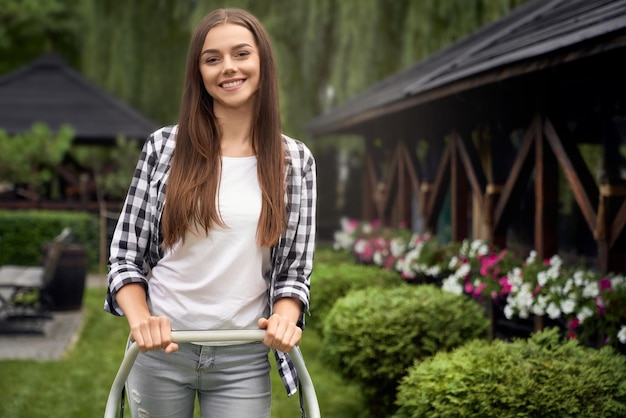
x,y
48,90
524,125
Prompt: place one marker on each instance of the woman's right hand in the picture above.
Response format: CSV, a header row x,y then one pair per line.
x,y
153,333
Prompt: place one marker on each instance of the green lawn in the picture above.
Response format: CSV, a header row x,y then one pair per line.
x,y
78,385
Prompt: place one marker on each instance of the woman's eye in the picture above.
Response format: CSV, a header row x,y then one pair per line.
x,y
211,60
242,53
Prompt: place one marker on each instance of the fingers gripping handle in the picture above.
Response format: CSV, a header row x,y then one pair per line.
x,y
212,336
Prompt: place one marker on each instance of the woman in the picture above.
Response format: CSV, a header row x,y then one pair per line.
x,y
221,215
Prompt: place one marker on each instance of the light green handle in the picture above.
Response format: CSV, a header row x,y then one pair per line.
x,y
310,398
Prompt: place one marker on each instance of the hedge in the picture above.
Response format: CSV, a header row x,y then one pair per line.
x,y
537,377
373,336
24,232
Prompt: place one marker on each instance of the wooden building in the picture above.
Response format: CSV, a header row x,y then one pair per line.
x,y
519,129
48,90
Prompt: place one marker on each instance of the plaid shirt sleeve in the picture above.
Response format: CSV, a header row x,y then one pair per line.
x,y
132,238
295,249
293,260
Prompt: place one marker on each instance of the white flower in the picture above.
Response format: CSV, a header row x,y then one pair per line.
x,y
367,228
453,262
553,311
378,258
397,247
434,271
360,246
579,279
621,335
584,313
531,257
508,311
450,284
463,270
542,278
591,290
568,306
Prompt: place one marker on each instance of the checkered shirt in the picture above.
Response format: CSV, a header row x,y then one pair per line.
x,y
135,245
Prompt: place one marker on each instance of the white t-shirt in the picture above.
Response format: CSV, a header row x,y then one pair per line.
x,y
216,281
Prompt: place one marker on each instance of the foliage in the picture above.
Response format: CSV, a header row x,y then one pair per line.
x,y
23,234
330,282
541,376
30,157
30,27
372,335
111,167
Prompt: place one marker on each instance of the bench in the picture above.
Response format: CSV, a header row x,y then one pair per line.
x,y
23,304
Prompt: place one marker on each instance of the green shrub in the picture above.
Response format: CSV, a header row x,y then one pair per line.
x,y
329,282
539,377
328,255
23,233
372,336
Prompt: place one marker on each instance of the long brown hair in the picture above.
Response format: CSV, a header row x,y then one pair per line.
x,y
196,165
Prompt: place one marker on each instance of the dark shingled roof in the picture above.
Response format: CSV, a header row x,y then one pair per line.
x,y
518,43
48,90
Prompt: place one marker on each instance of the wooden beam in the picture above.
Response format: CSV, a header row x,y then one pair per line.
x,y
413,168
618,225
576,172
520,173
473,167
437,194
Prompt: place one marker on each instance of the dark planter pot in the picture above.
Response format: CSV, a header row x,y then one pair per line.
x,y
65,290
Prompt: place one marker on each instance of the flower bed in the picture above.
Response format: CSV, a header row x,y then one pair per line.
x,y
591,306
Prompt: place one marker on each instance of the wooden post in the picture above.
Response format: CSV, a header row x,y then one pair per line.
x,y
546,198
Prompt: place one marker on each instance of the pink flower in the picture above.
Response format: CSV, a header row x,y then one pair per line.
x,y
479,289
605,283
537,290
352,225
573,324
506,286
468,288
571,335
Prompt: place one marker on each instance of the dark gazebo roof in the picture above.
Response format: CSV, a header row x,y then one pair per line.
x,y
534,36
48,90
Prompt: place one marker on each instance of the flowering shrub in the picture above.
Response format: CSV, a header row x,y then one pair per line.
x,y
372,243
592,306
480,271
423,258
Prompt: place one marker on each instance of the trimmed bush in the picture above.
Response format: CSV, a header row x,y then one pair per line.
x,y
329,282
373,336
23,233
539,377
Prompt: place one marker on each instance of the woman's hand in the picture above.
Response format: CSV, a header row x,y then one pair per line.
x,y
282,333
153,333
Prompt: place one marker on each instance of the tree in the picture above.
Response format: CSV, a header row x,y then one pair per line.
x,y
29,158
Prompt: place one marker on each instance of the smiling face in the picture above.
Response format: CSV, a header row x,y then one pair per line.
x,y
230,67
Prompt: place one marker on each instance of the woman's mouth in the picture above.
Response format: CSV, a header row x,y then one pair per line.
x,y
231,84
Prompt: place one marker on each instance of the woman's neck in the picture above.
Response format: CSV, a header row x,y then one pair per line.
x,y
236,128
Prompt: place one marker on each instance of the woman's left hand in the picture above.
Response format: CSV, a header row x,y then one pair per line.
x,y
282,333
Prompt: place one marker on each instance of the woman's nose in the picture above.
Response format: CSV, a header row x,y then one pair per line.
x,y
229,65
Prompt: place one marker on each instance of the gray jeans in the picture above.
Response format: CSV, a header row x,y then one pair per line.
x,y
230,382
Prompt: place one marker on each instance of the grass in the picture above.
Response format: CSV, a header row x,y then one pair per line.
x,y
78,385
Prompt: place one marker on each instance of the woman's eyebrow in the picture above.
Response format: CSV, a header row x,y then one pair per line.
x,y
214,51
